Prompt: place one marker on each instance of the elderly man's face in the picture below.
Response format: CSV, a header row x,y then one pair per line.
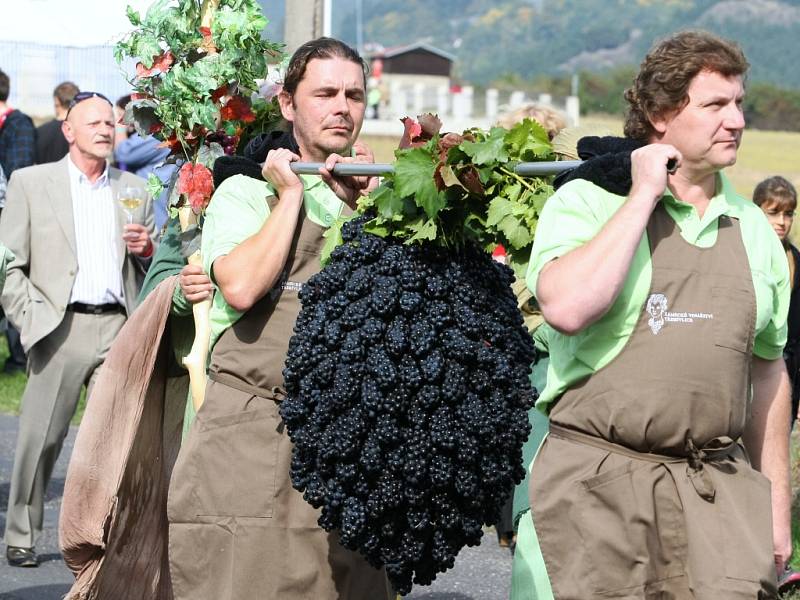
x,y
327,108
708,130
89,129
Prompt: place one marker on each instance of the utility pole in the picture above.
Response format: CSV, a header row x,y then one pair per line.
x,y
305,20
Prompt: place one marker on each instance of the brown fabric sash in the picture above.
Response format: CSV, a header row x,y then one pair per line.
x,y
716,449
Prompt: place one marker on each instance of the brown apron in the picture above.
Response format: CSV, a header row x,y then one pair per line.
x,y
640,490
238,530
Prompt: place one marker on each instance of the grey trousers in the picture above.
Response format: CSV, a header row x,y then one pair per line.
x,y
58,366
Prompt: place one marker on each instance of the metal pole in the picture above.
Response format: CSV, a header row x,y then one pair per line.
x,y
530,169
359,27
327,18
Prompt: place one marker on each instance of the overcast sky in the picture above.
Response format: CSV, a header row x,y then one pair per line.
x,y
67,22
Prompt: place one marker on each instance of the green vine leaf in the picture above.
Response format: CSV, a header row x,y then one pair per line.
x,y
491,149
413,176
333,238
186,78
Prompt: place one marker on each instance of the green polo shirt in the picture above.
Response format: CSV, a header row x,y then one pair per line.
x,y
237,211
577,212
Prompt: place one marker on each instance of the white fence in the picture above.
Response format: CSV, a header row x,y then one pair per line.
x,y
35,69
458,110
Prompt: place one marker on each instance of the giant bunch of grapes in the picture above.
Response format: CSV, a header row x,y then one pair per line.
x,y
408,391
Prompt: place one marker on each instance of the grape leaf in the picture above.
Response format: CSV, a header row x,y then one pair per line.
x,y
333,238
387,202
376,228
413,176
449,177
133,16
207,155
516,232
499,209
424,230
154,185
490,149
529,141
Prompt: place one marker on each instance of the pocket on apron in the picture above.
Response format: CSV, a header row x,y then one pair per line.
x,y
236,460
732,329
746,511
634,527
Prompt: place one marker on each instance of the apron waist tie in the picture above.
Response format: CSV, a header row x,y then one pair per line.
x,y
718,448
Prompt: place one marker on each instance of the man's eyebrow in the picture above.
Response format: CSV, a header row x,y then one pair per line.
x,y
335,88
326,88
721,97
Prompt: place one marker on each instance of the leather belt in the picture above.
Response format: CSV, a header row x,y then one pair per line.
x,y
95,309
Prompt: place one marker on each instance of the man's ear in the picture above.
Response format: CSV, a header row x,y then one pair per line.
x,y
659,124
287,106
66,129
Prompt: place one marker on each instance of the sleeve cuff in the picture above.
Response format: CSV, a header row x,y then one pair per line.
x,y
767,351
181,307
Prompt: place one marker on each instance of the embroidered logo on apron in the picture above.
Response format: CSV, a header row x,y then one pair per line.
x,y
656,307
283,284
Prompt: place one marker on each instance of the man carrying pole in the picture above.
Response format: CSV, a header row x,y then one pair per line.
x,y
238,530
668,305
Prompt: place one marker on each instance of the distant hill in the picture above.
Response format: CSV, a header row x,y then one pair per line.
x,y
502,39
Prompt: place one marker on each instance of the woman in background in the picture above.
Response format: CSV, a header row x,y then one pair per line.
x,y
778,199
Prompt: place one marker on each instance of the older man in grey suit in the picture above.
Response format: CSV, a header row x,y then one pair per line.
x,y
75,278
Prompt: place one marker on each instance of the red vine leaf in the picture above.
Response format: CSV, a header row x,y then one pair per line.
x,y
197,183
237,109
411,133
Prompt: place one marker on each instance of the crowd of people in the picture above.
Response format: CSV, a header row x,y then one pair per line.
x,y
664,305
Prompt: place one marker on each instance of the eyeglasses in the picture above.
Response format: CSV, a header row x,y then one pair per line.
x,y
81,96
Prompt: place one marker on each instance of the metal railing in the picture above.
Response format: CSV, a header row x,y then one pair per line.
x,y
527,169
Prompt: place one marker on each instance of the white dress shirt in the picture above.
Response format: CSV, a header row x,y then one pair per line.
x,y
99,278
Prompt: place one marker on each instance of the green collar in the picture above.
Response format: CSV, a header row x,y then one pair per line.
x,y
685,214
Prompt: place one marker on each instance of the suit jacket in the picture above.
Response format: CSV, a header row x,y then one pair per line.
x,y
37,225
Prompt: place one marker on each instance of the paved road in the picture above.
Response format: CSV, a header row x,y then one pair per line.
x,y
52,579
481,573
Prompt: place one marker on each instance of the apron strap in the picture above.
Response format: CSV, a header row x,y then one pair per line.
x,y
277,393
716,449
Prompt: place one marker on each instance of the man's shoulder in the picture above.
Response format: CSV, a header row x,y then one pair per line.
x,y
52,124
242,189
582,187
746,210
17,118
39,172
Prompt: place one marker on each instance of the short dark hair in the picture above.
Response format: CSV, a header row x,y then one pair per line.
x,y
662,84
123,101
778,190
64,92
5,86
323,47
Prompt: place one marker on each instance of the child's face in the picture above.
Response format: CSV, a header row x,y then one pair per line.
x,y
780,217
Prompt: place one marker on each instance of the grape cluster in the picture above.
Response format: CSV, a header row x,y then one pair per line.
x,y
228,142
408,391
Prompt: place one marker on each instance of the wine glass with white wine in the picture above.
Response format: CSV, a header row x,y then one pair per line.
x,y
130,198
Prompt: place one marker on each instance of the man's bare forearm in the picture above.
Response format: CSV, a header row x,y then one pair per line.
x,y
766,438
252,268
578,288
